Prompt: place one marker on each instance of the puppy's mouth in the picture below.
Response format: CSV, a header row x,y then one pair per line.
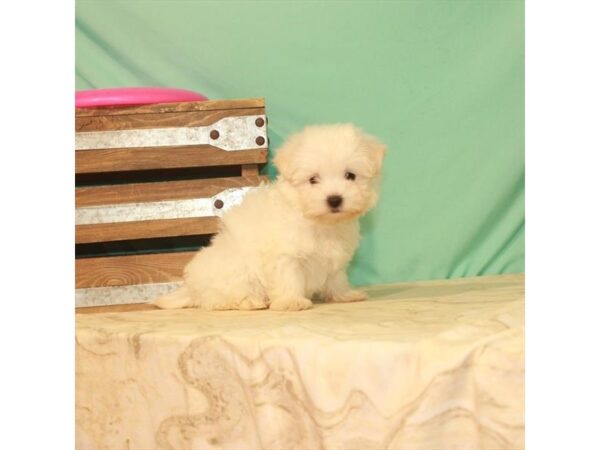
x,y
334,215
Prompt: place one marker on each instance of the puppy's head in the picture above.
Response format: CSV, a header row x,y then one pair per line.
x,y
333,170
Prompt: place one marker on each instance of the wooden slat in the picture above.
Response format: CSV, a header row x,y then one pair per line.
x,y
159,120
130,269
117,308
105,232
172,107
158,191
115,160
250,170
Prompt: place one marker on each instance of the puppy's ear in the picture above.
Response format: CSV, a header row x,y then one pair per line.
x,y
376,150
284,156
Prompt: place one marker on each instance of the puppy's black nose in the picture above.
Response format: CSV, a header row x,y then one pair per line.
x,y
334,201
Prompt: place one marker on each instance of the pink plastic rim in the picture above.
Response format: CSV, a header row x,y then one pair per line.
x,y
134,96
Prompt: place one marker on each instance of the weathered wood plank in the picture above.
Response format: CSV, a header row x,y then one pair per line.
x,y
159,120
115,160
250,170
208,105
157,191
123,231
117,308
130,269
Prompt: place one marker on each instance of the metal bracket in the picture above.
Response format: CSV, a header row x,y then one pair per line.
x,y
229,133
121,295
168,209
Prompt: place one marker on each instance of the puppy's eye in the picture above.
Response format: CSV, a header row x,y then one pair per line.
x,y
313,180
350,176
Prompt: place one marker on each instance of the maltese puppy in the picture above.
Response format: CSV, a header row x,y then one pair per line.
x,y
290,241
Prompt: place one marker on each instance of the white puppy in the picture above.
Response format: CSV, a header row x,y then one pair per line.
x,y
292,240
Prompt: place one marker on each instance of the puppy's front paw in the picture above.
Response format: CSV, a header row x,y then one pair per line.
x,y
250,303
295,304
348,296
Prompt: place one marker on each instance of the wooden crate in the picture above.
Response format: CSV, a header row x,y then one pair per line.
x,y
157,171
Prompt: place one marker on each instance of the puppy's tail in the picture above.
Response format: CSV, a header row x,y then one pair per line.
x,y
179,298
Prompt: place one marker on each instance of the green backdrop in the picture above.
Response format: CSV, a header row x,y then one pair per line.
x,y
440,81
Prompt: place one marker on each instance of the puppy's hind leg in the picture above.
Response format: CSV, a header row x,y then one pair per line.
x,y
180,298
338,290
287,287
250,303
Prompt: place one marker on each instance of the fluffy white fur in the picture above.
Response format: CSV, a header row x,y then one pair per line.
x,y
285,244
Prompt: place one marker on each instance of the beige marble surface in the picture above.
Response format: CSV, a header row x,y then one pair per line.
x,y
430,365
